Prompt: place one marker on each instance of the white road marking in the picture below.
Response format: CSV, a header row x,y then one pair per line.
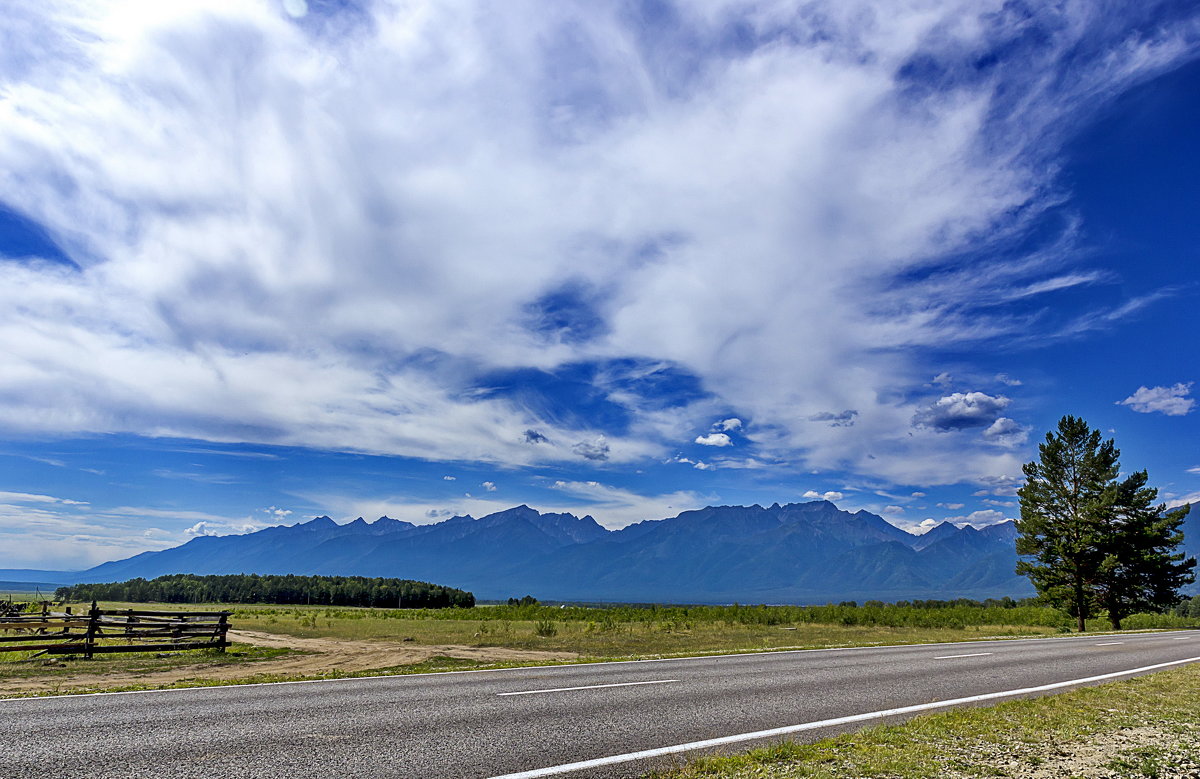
x,y
977,654
586,687
716,742
1111,643
1181,638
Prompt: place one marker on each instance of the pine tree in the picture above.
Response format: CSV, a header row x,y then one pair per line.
x,y
1089,542
1063,505
1142,571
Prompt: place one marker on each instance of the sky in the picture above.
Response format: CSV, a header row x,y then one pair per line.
x,y
264,260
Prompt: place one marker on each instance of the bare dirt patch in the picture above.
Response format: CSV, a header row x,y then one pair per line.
x,y
320,656
1148,751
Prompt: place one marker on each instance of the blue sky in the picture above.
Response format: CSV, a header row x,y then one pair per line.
x,y
266,260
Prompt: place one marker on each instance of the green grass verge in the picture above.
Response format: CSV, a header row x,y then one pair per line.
x,y
1143,727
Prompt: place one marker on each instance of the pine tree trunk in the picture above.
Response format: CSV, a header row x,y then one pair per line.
x,y
1079,606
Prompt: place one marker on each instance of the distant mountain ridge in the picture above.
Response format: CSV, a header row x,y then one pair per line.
x,y
793,553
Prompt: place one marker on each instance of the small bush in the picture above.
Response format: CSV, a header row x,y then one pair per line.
x,y
546,629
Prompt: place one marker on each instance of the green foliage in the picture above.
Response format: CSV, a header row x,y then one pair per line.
x,y
546,629
1090,543
252,588
905,614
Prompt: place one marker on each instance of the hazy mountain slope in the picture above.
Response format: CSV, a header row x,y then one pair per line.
x,y
802,552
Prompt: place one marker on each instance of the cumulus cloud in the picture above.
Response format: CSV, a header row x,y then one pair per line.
x,y
1007,433
951,506
961,410
201,529
831,495
714,439
596,449
489,486
699,465
842,419
1172,401
981,518
281,225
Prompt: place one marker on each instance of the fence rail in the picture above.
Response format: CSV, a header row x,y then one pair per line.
x,y
103,631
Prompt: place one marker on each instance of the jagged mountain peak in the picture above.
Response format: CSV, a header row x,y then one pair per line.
x,y
796,552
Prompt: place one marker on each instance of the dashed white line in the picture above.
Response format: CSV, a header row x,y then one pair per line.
x,y
1181,638
775,732
1110,643
976,654
586,687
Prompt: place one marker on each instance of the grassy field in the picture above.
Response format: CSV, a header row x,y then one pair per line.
x,y
604,632
418,640
1143,727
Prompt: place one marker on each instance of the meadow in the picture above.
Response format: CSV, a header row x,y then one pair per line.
x,y
530,634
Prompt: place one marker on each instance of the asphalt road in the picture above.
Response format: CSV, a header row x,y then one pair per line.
x,y
517,721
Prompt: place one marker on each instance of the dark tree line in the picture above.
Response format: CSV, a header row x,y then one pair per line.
x,y
253,588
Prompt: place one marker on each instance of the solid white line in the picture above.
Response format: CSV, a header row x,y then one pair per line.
x,y
1181,638
715,742
398,677
586,687
1110,643
977,654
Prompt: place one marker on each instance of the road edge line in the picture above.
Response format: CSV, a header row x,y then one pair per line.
x,y
783,731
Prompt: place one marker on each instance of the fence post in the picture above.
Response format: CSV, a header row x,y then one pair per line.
x,y
223,629
89,638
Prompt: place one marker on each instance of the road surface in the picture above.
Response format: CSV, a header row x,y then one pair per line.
x,y
531,722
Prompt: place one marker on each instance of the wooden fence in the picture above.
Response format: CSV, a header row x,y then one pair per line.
x,y
99,631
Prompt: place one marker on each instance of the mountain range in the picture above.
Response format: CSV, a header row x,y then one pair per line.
x,y
794,553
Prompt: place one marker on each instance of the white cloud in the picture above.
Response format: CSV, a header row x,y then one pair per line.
x,y
726,425
714,439
1007,433
831,495
287,232
489,486
1181,500
1195,470
961,410
449,478
28,497
1172,401
981,518
893,510
951,506
612,507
